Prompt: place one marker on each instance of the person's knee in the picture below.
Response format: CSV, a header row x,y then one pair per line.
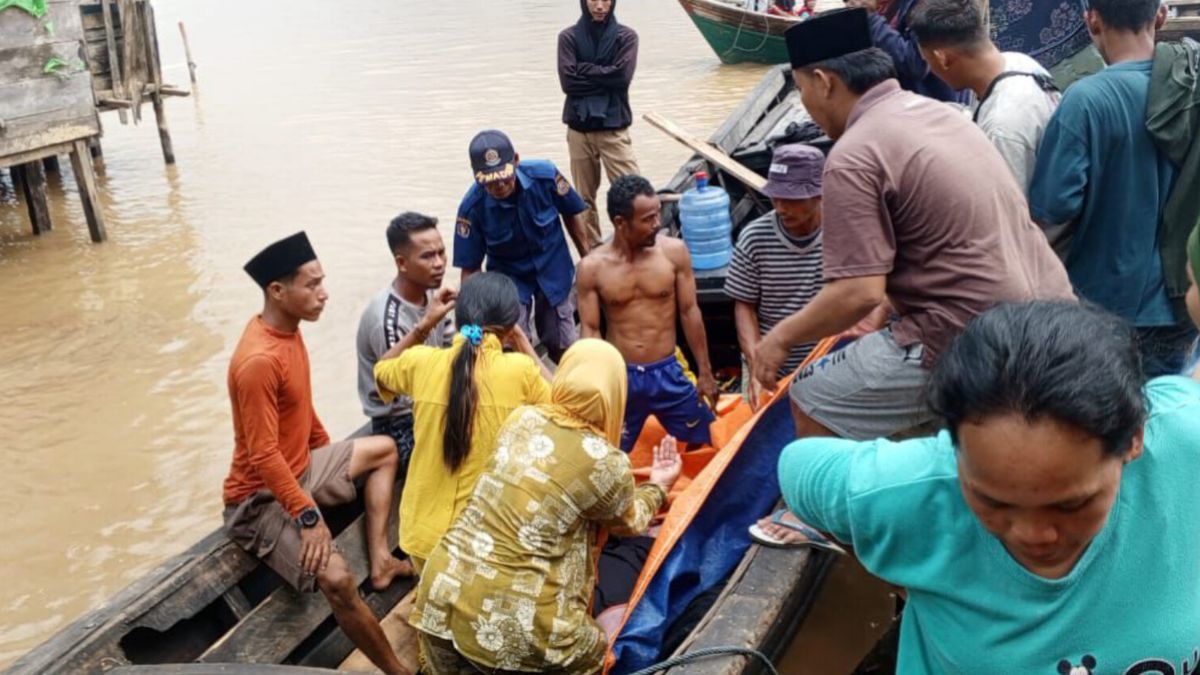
x,y
337,582
372,453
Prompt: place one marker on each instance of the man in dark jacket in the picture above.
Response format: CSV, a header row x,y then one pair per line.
x,y
596,60
890,33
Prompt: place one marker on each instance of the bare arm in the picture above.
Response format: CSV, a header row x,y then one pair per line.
x,y
466,274
518,340
577,228
840,305
745,316
690,316
588,298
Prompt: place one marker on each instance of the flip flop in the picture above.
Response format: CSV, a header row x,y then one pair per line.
x,y
815,538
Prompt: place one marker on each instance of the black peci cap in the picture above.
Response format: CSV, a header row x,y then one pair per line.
x,y
492,156
828,35
280,259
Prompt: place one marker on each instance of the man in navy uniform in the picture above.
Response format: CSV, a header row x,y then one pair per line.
x,y
514,215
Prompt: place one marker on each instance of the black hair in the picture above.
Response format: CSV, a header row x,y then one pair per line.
x,y
403,226
1071,362
488,300
623,192
859,70
948,23
1134,15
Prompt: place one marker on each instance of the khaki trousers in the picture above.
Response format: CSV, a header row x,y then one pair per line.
x,y
588,149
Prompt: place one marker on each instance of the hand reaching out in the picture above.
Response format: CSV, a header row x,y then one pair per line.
x,y
667,464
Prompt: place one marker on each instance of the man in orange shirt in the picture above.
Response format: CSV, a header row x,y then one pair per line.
x,y
284,467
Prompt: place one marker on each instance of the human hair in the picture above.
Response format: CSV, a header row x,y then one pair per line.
x,y
623,192
1132,15
949,23
859,70
1071,362
488,300
403,226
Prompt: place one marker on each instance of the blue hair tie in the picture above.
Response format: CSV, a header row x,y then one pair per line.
x,y
473,333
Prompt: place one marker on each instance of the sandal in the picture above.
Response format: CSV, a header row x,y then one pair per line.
x,y
815,538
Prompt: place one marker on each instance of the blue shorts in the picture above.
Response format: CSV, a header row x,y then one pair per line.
x,y
668,391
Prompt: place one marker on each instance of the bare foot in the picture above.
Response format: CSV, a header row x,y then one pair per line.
x,y
785,535
387,570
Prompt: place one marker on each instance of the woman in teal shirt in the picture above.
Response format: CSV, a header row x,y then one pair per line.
x,y
1053,527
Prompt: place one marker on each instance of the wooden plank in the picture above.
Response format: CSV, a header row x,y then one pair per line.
x,y
56,134
114,63
282,621
733,131
49,92
763,611
1179,28
21,28
335,646
33,187
89,194
29,63
714,155
40,152
401,636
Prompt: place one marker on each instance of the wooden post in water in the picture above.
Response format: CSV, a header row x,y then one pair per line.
x,y
160,114
33,187
187,50
89,194
114,64
50,163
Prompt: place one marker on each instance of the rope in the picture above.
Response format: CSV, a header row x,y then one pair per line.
x,y
706,653
738,35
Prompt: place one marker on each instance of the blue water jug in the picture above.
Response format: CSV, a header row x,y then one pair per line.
x,y
707,227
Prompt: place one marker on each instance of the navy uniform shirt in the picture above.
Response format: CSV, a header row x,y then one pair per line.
x,y
522,236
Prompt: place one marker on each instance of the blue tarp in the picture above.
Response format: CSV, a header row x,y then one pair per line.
x,y
715,541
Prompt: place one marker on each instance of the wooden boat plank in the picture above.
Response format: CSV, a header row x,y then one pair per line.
x,y
714,155
742,120
285,618
762,611
335,646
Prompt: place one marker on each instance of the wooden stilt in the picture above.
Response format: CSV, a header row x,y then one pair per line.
x,y
187,50
51,164
164,134
85,177
94,147
33,187
114,63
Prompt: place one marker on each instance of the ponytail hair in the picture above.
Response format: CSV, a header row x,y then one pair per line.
x,y
487,302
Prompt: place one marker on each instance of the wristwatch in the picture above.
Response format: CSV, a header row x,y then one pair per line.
x,y
308,518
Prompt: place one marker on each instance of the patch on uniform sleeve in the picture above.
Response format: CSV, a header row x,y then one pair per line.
x,y
463,227
561,184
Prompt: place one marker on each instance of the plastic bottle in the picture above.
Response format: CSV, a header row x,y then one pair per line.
x,y
706,224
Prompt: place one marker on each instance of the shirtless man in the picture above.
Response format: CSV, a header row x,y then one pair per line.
x,y
642,281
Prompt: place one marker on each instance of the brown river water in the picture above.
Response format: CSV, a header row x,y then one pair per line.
x,y
324,116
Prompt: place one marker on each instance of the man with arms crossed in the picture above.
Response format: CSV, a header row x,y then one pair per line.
x,y
642,280
284,467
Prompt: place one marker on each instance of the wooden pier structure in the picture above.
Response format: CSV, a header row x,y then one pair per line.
x,y
62,62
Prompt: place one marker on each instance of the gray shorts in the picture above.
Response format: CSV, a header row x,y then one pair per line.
x,y
555,324
871,389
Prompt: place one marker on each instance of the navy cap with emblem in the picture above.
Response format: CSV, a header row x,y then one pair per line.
x,y
492,157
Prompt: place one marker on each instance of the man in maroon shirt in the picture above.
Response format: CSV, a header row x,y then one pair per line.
x,y
919,210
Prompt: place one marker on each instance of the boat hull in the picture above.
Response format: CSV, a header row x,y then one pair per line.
x,y
739,36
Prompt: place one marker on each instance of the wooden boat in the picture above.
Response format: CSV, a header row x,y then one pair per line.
x,y
215,606
738,34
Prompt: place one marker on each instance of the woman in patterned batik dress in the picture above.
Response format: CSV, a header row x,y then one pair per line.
x,y
508,587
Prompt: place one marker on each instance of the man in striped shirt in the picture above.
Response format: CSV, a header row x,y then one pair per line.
x,y
776,266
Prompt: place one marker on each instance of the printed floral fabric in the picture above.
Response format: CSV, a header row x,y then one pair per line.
x,y
510,582
1048,30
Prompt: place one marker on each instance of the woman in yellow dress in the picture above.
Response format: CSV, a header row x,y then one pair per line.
x,y
461,396
508,587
